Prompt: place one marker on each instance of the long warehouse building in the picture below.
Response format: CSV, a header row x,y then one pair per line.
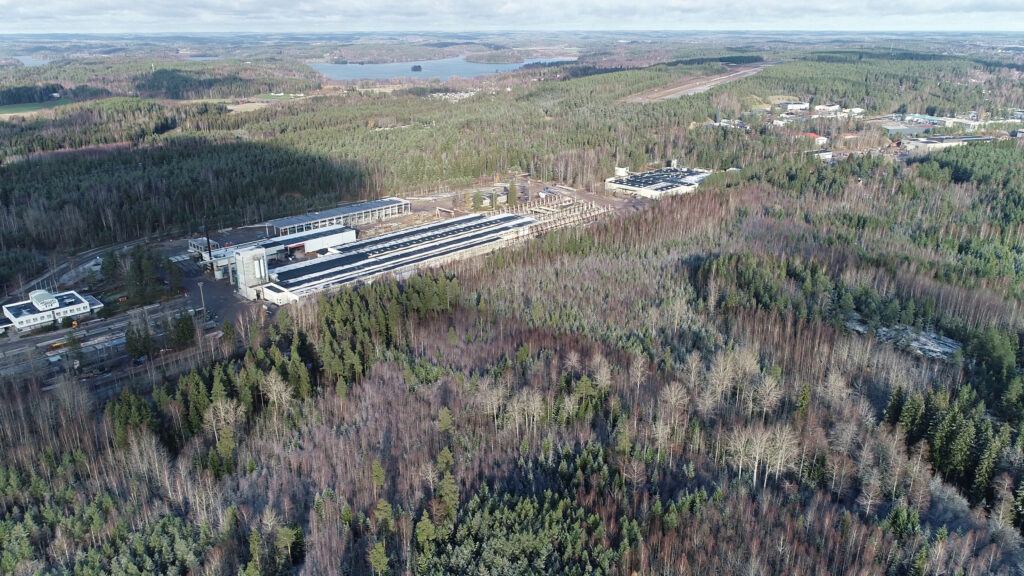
x,y
350,215
364,260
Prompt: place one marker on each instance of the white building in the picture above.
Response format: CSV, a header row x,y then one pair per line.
x,y
795,106
277,248
43,308
661,182
819,140
924,145
251,271
830,109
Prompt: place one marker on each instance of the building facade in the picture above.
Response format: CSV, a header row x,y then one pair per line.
x,y
43,308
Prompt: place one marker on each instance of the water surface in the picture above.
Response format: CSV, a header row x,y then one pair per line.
x,y
441,69
30,61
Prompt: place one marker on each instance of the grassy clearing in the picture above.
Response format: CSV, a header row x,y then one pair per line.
x,y
29,108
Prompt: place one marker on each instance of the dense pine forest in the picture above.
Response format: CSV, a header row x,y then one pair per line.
x,y
743,380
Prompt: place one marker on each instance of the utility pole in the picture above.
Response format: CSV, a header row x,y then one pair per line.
x,y
202,299
209,249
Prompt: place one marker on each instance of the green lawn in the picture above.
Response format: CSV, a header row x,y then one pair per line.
x,y
32,106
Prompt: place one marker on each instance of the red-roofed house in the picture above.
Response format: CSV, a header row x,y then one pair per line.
x,y
818,139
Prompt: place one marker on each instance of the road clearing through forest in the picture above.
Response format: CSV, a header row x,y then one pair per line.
x,y
696,85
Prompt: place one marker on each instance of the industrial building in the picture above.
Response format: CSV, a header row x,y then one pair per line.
x,y
925,145
364,260
350,215
657,183
224,259
794,106
43,308
321,252
824,154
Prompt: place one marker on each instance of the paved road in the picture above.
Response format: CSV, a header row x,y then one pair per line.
x,y
52,276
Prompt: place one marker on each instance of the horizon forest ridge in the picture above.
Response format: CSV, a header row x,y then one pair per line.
x,y
639,303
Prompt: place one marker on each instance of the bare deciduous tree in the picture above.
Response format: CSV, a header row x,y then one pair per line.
x,y
870,492
278,393
769,394
602,373
223,413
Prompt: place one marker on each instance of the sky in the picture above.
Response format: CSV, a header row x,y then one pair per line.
x,y
326,16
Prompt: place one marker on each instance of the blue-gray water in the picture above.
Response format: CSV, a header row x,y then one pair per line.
x,y
30,61
442,69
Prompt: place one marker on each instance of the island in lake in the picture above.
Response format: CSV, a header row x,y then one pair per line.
x,y
417,68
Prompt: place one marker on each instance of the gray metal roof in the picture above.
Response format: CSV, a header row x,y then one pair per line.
x,y
663,178
334,212
303,236
93,302
380,254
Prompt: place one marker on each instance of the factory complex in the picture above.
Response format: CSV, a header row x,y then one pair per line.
x,y
222,259
657,183
320,251
390,253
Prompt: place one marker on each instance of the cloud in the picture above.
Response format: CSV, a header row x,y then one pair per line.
x,y
126,16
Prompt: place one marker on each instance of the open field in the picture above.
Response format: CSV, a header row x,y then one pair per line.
x,y
695,85
29,109
246,106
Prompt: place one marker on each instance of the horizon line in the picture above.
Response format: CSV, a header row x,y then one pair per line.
x,y
524,30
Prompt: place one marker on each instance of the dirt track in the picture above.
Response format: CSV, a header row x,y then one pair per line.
x,y
694,85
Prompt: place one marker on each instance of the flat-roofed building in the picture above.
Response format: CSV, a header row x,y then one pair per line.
x,y
224,261
794,106
923,145
349,215
395,253
661,182
43,308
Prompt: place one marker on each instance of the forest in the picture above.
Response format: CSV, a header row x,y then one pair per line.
x,y
172,79
352,144
724,382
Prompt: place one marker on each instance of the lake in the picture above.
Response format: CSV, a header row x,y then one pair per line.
x,y
443,69
30,61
